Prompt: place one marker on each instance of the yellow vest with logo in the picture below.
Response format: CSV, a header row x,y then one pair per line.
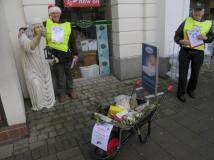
x,y
204,26
66,27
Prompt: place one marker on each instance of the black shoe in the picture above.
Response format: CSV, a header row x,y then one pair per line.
x,y
182,98
191,94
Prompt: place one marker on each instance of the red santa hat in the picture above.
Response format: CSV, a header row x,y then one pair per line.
x,y
52,8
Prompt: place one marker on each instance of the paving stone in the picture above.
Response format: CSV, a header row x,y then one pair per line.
x,y
74,154
20,150
21,142
52,157
180,131
19,157
33,139
36,153
44,150
51,149
21,146
6,151
52,134
168,112
27,155
42,137
36,144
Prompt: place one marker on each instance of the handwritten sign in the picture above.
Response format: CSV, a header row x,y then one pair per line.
x,y
100,135
192,35
82,3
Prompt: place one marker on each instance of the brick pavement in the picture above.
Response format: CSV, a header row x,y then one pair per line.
x,y
180,132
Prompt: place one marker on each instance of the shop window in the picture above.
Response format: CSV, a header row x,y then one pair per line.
x,y
84,21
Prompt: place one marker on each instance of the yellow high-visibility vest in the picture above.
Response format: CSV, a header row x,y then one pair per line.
x,y
57,35
204,26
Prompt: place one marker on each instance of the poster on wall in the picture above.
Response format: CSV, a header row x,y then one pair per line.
x,y
150,61
82,3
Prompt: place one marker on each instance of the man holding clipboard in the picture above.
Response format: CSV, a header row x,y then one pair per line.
x,y
192,35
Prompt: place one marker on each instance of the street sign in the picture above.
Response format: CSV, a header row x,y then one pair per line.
x,y
82,3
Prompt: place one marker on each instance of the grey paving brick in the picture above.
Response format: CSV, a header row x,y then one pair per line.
x,y
19,157
20,150
181,131
42,137
52,157
51,149
6,151
33,139
73,153
36,144
44,151
36,153
27,155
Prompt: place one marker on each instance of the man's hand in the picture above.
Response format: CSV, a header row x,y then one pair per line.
x,y
53,61
184,42
202,37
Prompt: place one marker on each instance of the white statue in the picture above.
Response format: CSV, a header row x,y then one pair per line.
x,y
36,68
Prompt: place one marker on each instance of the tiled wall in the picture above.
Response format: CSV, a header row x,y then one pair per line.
x,y
133,22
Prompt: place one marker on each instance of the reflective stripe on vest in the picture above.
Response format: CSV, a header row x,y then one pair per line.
x,y
66,28
204,26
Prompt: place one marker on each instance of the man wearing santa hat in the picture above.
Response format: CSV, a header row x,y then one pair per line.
x,y
59,37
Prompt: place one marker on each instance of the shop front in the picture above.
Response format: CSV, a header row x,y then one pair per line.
x,y
91,27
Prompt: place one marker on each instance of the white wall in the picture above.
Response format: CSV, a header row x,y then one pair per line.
x,y
18,13
10,90
133,23
36,8
169,18
15,19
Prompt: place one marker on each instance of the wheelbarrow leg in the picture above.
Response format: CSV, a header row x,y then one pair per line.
x,y
149,127
144,139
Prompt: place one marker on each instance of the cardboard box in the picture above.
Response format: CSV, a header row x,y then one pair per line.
x,y
89,58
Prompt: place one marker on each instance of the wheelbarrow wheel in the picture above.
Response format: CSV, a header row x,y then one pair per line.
x,y
112,149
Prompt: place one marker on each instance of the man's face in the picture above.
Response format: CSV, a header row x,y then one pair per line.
x,y
198,14
55,17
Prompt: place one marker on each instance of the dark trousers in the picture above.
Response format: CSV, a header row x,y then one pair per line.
x,y
196,58
64,81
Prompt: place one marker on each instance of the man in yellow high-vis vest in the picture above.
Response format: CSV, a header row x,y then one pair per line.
x,y
192,35
59,41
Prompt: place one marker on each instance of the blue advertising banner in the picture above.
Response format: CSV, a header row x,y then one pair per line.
x,y
103,49
150,68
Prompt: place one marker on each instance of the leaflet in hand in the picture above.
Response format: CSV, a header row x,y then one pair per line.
x,y
192,35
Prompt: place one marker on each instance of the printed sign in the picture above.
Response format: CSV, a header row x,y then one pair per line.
x,y
192,35
57,34
150,68
100,135
82,3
